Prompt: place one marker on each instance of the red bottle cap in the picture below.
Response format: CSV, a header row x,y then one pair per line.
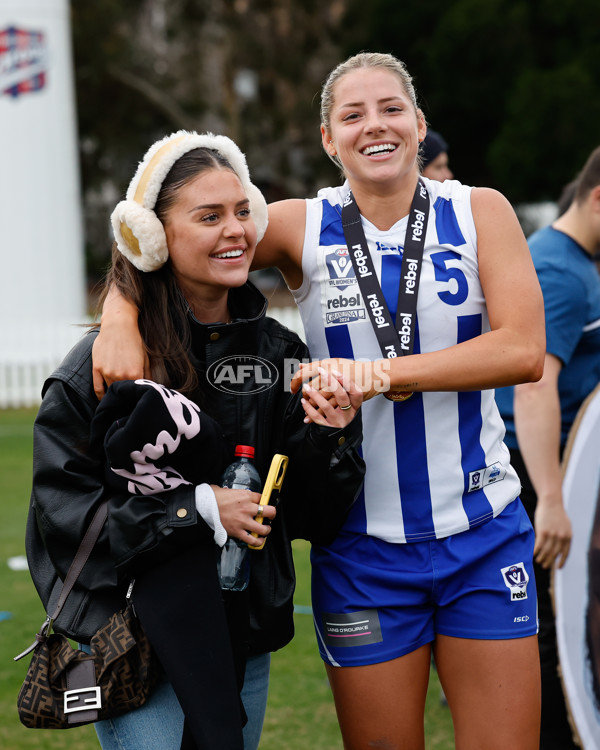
x,y
244,450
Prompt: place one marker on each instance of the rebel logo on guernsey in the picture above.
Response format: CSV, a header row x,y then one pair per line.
x,y
344,308
516,579
23,61
351,629
341,302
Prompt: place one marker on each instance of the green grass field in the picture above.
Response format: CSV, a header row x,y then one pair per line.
x,y
300,714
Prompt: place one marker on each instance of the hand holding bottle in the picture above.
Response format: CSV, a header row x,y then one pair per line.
x,y
237,510
241,476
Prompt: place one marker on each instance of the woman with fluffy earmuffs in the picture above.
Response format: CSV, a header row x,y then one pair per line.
x,y
156,448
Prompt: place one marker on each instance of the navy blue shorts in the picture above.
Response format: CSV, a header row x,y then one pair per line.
x,y
374,601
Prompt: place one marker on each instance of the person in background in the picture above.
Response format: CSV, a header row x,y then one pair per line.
x,y
156,450
566,197
437,551
539,415
434,156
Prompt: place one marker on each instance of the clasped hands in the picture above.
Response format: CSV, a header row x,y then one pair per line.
x,y
334,389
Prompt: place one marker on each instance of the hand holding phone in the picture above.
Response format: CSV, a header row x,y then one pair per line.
x,y
272,487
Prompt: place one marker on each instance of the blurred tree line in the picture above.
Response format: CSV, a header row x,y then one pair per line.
x,y
513,85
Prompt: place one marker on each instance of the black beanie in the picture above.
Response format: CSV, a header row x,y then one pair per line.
x,y
432,146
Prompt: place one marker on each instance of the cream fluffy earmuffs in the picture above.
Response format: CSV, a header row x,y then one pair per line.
x,y
139,233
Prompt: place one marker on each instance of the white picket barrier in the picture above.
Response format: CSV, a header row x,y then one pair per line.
x,y
30,351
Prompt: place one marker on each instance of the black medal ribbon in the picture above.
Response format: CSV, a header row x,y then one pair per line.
x,y
395,338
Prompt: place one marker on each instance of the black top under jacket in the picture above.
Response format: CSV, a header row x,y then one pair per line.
x,y
324,477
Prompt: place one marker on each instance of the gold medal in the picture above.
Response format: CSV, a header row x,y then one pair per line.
x,y
398,395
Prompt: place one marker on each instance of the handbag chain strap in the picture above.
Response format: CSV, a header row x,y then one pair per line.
x,y
81,557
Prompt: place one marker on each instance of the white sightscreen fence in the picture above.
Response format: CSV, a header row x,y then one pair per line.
x,y
30,351
42,289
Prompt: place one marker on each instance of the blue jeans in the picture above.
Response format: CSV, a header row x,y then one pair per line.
x,y
254,697
158,724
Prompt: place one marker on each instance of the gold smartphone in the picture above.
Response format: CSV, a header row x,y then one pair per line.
x,y
272,487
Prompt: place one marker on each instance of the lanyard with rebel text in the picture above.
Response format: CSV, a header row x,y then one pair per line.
x,y
396,339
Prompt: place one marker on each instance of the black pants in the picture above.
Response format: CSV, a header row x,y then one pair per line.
x,y
555,730
200,640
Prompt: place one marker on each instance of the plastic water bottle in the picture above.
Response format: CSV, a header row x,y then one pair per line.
x,y
234,565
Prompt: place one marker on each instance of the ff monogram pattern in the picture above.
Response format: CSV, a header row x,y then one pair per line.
x,y
125,666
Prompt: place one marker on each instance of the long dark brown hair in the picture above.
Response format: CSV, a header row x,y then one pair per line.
x,y
161,305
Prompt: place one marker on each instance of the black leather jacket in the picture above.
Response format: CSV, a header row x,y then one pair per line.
x,y
325,468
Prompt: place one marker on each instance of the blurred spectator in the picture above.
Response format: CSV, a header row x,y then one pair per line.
x,y
539,416
566,196
434,154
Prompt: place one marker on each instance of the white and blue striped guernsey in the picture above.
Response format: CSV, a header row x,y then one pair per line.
x,y
436,463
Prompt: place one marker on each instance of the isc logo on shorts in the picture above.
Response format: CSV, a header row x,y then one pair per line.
x,y
351,629
516,579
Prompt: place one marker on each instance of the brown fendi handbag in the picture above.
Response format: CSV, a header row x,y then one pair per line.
x,y
67,687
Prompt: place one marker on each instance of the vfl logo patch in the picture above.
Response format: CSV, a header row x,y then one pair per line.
x,y
488,475
339,267
351,629
23,61
516,579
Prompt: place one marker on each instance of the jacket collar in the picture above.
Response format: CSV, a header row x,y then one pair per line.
x,y
246,305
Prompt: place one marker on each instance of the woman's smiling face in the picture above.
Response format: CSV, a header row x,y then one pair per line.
x,y
374,127
210,235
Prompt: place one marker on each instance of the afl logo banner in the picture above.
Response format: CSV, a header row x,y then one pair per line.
x,y
242,375
23,61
